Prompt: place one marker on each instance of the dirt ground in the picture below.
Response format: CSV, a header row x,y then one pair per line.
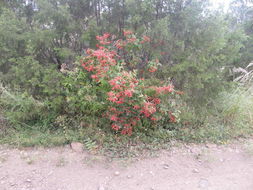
x,y
187,167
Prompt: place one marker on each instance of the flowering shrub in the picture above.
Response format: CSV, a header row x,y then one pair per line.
x,y
130,101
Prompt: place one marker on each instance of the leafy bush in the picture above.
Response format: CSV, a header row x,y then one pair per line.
x,y
21,108
236,107
128,101
43,83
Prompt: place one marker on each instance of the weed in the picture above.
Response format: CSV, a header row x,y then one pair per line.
x,y
3,158
90,144
231,118
249,148
61,162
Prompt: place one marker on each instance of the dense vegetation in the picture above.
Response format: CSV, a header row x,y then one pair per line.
x,y
92,70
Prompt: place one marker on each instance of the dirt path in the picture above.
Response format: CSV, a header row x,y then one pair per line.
x,y
187,168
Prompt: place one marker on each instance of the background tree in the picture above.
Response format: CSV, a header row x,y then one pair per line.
x,y
196,46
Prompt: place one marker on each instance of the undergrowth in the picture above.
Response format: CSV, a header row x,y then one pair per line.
x,y
116,111
230,118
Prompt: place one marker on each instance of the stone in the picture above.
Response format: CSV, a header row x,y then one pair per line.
x,y
222,160
195,170
77,147
165,166
28,181
152,173
116,173
213,146
13,184
129,176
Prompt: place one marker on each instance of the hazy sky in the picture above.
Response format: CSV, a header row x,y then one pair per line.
x,y
220,3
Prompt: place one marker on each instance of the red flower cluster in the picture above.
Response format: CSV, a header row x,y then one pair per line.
x,y
123,114
127,32
99,62
145,39
119,44
130,39
103,40
148,109
172,118
125,95
164,89
152,69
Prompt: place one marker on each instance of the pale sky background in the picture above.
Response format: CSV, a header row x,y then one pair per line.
x,y
220,3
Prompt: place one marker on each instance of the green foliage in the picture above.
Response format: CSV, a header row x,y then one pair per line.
x,y
12,39
236,107
82,96
198,48
229,117
21,108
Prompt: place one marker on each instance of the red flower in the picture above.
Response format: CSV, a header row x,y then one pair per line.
x,y
136,107
128,93
145,39
131,40
121,101
164,89
172,118
94,76
152,69
115,127
179,92
127,32
157,101
114,118
112,97
119,44
153,119
89,51
133,123
127,131
113,109
104,37
148,109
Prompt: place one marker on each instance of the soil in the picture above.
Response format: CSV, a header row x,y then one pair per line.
x,y
184,167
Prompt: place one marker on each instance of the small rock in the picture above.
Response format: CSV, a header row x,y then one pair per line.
x,y
77,147
129,176
34,171
166,166
195,170
13,184
116,173
151,173
211,146
222,160
28,180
